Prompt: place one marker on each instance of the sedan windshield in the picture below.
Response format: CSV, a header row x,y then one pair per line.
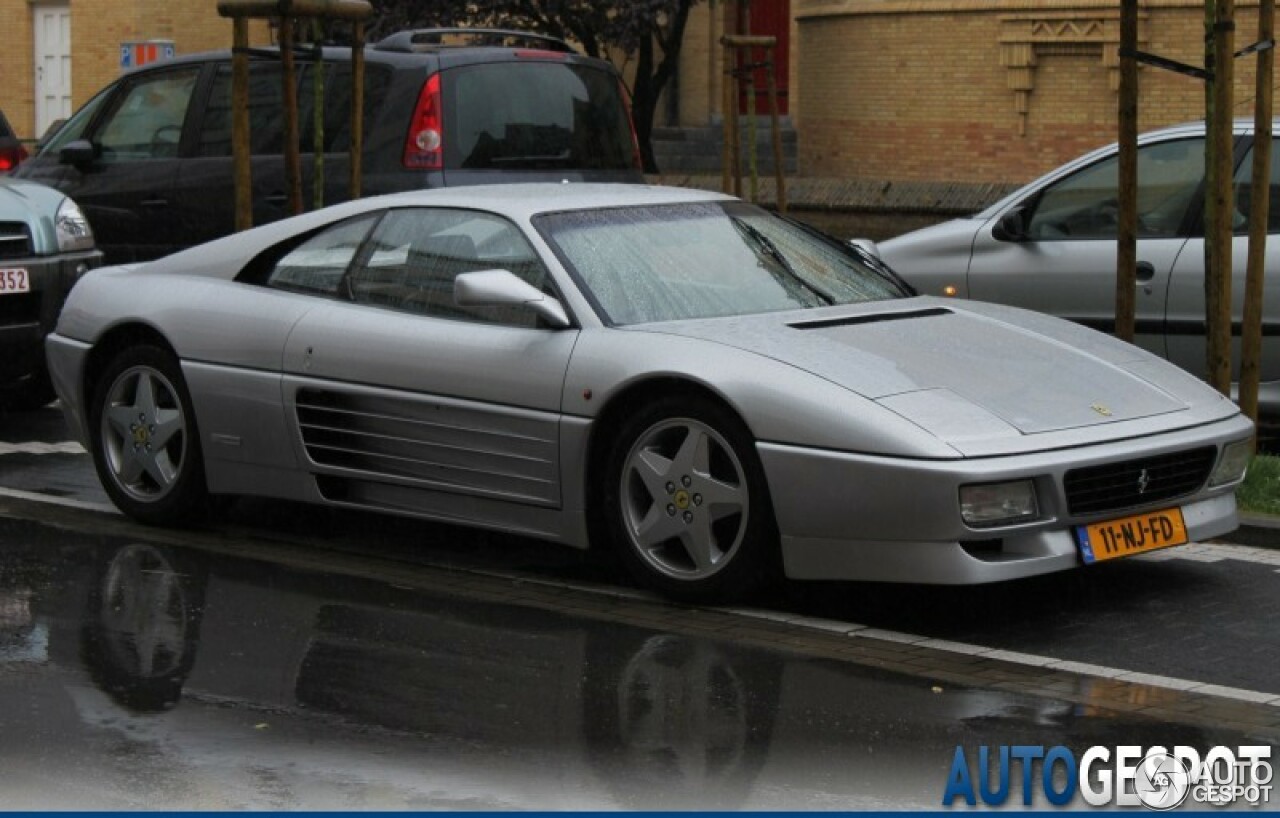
x,y
672,262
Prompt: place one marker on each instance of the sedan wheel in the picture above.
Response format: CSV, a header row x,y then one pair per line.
x,y
146,448
690,508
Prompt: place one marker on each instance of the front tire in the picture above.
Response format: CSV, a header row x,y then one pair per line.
x,y
146,448
686,503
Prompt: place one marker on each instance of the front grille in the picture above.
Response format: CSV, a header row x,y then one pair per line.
x,y
1117,486
15,241
19,308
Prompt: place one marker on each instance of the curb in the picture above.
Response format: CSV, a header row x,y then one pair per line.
x,y
1257,530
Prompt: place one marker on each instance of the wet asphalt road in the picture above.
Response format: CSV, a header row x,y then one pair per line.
x,y
151,670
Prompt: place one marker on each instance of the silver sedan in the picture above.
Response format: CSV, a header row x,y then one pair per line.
x,y
1051,246
713,392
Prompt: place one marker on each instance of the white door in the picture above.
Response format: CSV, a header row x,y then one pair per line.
x,y
53,64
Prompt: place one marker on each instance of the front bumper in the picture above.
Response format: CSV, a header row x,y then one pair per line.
x,y
847,516
26,318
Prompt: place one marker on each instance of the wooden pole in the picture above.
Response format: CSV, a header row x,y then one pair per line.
x,y
1127,229
1218,280
1210,180
240,144
779,173
732,128
728,92
753,165
317,117
1259,217
289,95
357,108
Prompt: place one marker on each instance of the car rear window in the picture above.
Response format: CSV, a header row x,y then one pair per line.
x,y
535,115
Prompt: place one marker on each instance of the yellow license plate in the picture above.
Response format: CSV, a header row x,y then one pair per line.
x,y
1131,535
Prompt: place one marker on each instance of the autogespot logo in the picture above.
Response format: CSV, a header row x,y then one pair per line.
x,y
1125,776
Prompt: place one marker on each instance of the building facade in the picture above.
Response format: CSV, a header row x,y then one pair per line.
x,y
62,52
986,91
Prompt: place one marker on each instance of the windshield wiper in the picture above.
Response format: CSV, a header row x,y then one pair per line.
x,y
874,263
770,249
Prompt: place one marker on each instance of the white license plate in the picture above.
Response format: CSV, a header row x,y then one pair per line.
x,y
14,280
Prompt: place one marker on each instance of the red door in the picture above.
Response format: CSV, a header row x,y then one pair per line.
x,y
771,18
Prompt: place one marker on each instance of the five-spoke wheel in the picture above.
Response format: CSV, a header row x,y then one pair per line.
x,y
146,449
687,502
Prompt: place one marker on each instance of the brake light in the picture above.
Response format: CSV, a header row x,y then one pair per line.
x,y
636,161
424,147
10,158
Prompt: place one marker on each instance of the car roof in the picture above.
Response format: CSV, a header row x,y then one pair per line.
x,y
524,200
443,56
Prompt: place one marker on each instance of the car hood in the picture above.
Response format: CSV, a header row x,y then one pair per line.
x,y
972,374
34,205
21,200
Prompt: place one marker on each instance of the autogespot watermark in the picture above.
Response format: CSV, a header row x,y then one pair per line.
x,y
1124,776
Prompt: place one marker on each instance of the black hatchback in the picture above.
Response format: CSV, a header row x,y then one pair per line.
x,y
149,157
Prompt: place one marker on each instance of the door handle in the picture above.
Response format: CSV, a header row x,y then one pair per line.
x,y
1146,271
276,199
155,202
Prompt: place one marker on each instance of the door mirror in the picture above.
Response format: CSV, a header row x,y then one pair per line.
x,y
502,288
1012,226
78,152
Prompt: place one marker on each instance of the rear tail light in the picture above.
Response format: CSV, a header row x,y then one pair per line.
x,y
11,157
636,161
424,147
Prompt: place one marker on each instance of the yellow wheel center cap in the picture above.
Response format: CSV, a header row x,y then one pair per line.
x,y
682,499
141,435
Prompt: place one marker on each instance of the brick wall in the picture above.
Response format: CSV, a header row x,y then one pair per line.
x,y
985,91
98,27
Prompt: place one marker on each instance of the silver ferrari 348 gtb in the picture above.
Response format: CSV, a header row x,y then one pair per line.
x,y
711,390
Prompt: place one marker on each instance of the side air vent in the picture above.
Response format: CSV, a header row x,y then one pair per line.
x,y
442,446
851,320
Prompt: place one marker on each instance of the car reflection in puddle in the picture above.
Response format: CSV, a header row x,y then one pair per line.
x,y
138,674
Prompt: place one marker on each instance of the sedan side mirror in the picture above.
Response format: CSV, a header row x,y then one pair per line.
x,y
1012,226
78,152
502,288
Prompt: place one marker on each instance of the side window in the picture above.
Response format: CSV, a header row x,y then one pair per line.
x,y
145,122
266,110
74,127
415,254
1085,204
1244,192
317,265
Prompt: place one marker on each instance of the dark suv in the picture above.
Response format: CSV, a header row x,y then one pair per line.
x,y
149,157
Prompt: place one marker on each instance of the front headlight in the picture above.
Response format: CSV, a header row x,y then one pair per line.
x,y
1232,464
988,504
72,228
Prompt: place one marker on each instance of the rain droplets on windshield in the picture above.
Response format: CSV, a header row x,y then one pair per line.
x,y
672,262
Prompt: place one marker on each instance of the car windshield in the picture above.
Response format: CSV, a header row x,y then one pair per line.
x,y
703,260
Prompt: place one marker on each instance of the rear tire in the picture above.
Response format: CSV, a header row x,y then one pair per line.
x,y
686,504
146,447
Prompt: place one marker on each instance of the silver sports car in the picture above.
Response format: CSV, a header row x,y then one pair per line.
x,y
712,391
